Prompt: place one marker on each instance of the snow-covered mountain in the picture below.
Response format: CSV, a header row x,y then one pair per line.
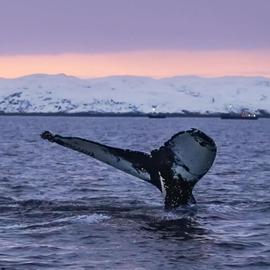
x,y
121,94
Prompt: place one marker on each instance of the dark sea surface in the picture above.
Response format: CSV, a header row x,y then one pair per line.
x,y
63,210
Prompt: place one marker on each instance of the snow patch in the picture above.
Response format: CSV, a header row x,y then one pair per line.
x,y
42,93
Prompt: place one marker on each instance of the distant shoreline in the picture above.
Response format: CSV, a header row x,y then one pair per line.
x,y
94,114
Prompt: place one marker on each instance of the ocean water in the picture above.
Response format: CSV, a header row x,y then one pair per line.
x,y
63,210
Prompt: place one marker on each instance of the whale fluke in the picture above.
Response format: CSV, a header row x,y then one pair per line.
x,y
174,168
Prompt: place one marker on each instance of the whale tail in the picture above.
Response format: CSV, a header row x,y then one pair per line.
x,y
174,168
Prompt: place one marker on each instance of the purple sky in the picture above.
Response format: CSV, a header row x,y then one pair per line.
x,y
86,26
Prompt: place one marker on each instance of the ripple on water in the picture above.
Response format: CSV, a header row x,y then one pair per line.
x,y
62,210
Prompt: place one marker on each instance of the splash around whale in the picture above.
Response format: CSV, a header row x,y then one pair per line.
x,y
174,168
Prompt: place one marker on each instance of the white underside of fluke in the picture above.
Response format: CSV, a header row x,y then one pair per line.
x,y
102,153
192,159
162,183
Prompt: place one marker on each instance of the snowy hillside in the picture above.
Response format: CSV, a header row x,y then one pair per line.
x,y
61,93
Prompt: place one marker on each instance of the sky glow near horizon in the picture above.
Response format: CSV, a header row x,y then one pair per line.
x,y
155,64
157,38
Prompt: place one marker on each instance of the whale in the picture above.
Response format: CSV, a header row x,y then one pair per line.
x,y
174,168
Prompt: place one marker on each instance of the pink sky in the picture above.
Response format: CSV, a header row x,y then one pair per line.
x,y
158,38
154,63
